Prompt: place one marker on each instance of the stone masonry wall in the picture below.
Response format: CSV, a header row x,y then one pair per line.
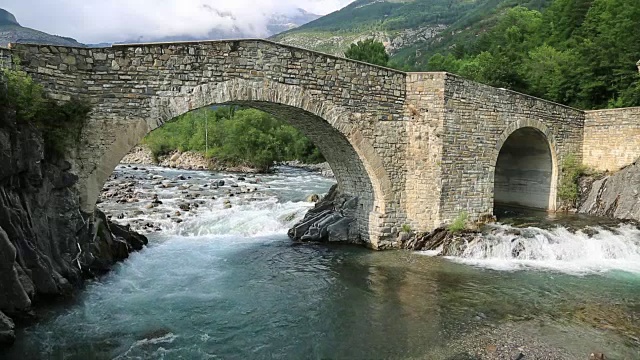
x,y
5,58
425,105
611,138
477,121
353,111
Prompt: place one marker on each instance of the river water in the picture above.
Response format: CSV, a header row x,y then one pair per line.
x,y
221,280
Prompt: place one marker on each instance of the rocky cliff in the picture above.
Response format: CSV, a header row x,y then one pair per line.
x,y
613,195
47,246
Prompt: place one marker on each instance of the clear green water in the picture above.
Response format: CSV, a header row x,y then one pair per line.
x,y
251,294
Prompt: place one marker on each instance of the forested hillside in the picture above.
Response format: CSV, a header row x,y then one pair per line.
x,y
581,53
405,26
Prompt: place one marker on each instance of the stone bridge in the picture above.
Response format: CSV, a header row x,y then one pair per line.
x,y
415,148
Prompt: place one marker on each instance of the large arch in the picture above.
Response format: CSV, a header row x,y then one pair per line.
x,y
526,168
358,169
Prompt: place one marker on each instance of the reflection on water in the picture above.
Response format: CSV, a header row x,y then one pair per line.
x,y
245,296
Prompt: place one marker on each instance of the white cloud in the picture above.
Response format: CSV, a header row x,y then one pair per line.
x,y
93,21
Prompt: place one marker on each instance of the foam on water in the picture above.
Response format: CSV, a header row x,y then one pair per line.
x,y
276,203
260,218
557,249
263,205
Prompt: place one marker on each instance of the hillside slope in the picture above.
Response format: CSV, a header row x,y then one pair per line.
x,y
12,32
412,30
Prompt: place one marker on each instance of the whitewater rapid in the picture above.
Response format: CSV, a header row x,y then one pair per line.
x,y
255,206
558,249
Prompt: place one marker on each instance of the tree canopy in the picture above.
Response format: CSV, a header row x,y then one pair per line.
x,y
236,136
370,51
581,53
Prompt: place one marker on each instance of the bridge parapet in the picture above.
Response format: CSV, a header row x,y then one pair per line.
x,y
611,138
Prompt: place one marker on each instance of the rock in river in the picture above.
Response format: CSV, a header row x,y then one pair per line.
x,y
329,221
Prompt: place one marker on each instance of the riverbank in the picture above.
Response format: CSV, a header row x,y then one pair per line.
x,y
48,247
191,160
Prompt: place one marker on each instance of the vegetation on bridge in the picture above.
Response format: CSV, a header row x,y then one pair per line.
x,y
60,124
568,190
236,136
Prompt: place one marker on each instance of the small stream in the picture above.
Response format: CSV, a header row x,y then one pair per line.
x,y
221,280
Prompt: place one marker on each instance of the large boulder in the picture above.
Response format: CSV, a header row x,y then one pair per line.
x,y
330,220
614,195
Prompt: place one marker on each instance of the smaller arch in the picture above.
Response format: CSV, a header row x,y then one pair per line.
x,y
526,166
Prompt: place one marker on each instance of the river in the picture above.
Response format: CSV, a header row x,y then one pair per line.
x,y
221,280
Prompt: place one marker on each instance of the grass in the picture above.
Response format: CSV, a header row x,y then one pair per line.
x,y
572,169
460,223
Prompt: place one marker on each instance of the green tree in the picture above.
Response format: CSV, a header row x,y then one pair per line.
x,y
551,73
236,136
370,51
60,124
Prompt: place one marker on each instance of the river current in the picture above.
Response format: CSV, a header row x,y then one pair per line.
x,y
221,280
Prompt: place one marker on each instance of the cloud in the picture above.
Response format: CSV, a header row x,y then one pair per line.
x,y
94,21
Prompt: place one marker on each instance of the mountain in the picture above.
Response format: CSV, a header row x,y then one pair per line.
x,y
279,23
412,30
12,32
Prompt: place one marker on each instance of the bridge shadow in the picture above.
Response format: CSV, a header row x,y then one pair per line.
x,y
525,172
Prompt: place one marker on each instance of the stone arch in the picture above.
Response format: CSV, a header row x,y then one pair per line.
x,y
526,166
334,129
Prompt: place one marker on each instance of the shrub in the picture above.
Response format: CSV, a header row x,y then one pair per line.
x,y
370,51
60,124
460,223
572,169
406,228
22,94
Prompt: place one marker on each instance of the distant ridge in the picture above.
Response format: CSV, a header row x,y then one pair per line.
x,y
12,32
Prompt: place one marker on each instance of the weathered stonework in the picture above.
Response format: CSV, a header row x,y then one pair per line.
x,y
353,112
611,138
414,148
5,58
478,119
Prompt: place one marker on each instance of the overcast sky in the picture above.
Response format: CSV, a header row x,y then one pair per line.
x,y
95,21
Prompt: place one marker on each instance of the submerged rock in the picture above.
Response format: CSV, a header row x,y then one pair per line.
x,y
329,221
447,242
